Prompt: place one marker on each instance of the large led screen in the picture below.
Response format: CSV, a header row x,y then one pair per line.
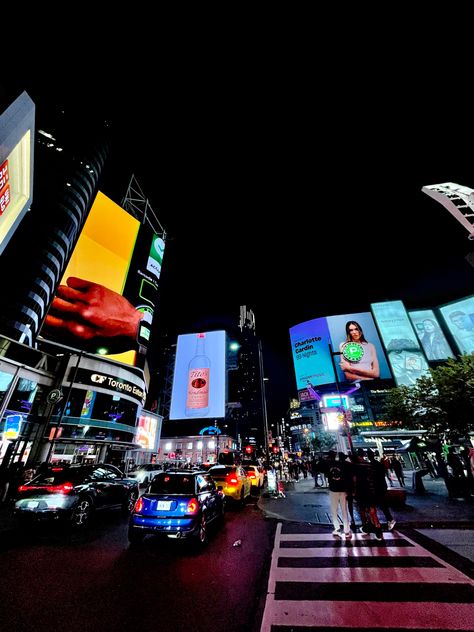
x,y
148,431
199,376
17,127
404,353
106,299
459,319
430,335
355,346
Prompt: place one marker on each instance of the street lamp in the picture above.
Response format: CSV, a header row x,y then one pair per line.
x,y
344,412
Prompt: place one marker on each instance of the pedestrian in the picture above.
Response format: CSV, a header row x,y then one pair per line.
x,y
397,469
315,471
381,488
365,495
338,476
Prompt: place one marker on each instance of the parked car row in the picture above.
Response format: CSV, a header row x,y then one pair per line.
x,y
177,503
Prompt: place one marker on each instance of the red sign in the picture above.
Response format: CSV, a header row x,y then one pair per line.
x,y
4,187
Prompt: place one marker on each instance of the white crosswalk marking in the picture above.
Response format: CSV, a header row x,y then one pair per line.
x,y
318,581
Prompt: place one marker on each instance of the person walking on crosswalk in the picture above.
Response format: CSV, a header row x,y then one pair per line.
x,y
338,474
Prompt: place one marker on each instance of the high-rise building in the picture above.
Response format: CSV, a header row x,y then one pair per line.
x,y
249,382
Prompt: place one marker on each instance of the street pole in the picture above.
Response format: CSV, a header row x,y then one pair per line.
x,y
63,407
264,402
345,422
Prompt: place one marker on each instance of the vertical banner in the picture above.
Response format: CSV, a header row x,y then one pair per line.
x,y
403,349
459,319
311,357
430,335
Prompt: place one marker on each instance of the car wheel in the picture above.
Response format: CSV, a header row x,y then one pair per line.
x,y
202,531
129,503
135,536
81,514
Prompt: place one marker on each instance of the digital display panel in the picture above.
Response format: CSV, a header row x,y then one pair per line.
x,y
148,431
459,319
106,299
311,357
404,353
17,128
199,381
361,357
351,338
430,335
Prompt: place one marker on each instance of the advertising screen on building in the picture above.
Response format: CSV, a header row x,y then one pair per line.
x,y
459,319
106,300
16,165
199,382
148,431
354,343
430,335
404,353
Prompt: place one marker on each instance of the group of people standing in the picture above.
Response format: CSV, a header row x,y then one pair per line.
x,y
360,477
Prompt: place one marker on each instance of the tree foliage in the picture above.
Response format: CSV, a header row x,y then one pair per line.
x,y
441,402
323,441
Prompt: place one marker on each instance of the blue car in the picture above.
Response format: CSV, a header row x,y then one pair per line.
x,y
177,504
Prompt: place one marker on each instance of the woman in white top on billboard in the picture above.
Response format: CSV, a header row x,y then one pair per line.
x,y
367,368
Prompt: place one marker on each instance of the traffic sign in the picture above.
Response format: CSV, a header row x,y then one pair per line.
x,y
54,396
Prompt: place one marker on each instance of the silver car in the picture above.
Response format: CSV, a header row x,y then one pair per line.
x,y
144,474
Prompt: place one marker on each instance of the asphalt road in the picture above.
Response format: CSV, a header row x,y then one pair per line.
x,y
96,582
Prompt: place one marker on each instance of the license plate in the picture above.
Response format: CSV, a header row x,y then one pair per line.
x,y
32,504
164,505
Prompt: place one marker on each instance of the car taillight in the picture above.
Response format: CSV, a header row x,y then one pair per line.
x,y
192,507
251,475
232,480
64,488
138,506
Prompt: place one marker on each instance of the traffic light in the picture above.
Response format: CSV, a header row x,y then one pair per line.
x,y
275,449
248,449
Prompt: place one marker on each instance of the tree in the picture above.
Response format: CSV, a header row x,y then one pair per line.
x,y
323,441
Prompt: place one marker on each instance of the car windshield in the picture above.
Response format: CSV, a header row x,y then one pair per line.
x,y
172,484
221,470
60,475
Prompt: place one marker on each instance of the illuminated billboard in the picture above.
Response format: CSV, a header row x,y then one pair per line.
x,y
199,379
404,353
430,335
354,343
148,431
17,128
459,319
106,300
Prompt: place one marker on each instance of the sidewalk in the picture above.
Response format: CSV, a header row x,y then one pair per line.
x,y
305,503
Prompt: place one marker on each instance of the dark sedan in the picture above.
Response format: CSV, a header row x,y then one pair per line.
x,y
178,504
73,492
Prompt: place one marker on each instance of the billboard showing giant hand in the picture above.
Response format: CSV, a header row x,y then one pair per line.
x,y
106,300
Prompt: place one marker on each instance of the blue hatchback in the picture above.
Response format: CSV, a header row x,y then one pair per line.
x,y
178,504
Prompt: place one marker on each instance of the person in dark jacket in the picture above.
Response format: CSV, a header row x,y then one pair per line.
x,y
338,475
381,488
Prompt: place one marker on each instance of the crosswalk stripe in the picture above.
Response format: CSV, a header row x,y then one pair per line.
x,y
348,614
425,575
319,582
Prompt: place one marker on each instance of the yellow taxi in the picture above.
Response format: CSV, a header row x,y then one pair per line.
x,y
233,480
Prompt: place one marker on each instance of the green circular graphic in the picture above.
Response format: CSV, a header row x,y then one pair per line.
x,y
353,351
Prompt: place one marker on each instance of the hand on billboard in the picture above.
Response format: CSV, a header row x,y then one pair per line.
x,y
90,315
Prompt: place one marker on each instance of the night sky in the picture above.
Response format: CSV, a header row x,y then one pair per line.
x,y
297,204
